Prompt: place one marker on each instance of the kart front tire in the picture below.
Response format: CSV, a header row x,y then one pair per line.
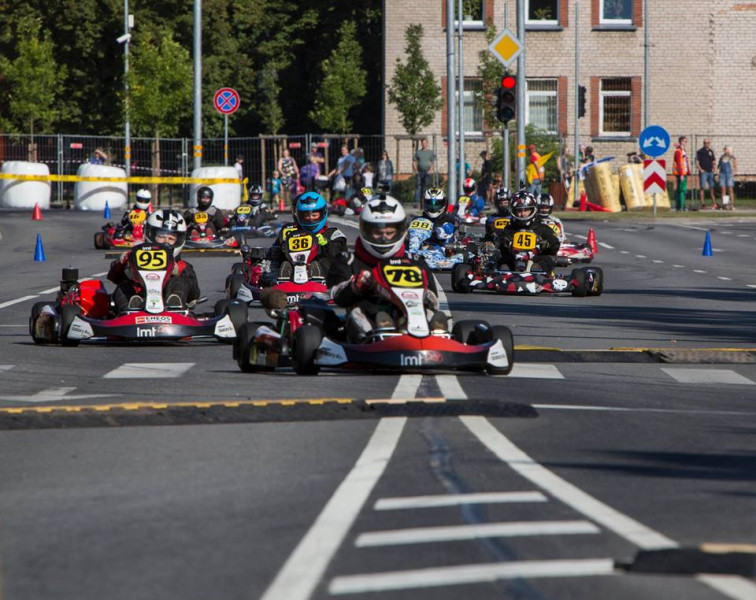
x,y
469,331
305,344
68,312
237,268
242,349
580,286
35,312
459,281
233,284
504,335
99,240
598,282
236,310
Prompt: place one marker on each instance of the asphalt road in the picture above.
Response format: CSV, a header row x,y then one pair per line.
x,y
584,458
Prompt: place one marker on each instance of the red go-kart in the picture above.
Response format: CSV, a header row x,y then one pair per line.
x,y
122,236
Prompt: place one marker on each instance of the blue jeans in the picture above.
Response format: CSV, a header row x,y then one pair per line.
x,y
421,184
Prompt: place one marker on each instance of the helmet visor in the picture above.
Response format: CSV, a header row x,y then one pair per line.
x,y
381,235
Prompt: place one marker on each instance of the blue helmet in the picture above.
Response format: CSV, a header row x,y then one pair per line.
x,y
307,204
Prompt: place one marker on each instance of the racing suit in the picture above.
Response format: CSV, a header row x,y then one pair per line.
x,y
495,224
331,241
547,244
256,217
556,225
444,229
215,220
126,226
183,282
346,282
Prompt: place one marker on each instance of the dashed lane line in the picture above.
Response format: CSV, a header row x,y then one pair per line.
x,y
149,371
673,411
698,271
605,245
17,301
439,500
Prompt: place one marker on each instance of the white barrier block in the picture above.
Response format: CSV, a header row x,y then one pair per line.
x,y
24,194
227,196
92,195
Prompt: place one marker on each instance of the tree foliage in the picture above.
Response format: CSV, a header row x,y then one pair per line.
x,y
413,88
33,79
343,84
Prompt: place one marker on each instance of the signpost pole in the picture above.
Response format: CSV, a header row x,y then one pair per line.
x,y
225,140
654,195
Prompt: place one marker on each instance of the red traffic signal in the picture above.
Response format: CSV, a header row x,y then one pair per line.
x,y
506,99
508,82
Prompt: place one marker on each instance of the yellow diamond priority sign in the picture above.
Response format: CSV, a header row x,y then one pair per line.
x,y
505,47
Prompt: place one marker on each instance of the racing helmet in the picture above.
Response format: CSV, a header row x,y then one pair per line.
x,y
365,194
383,227
255,195
468,185
545,205
502,199
204,197
166,221
524,208
143,199
434,203
311,211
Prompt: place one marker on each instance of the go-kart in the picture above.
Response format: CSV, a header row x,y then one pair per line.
x,y
484,272
438,257
569,252
463,209
122,236
242,218
83,310
409,345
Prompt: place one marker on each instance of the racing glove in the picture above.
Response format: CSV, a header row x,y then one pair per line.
x,y
363,282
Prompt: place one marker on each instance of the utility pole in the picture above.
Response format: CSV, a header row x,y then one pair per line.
x,y
197,84
127,114
451,149
461,103
576,149
521,82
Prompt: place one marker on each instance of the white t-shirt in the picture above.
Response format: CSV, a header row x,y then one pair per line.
x,y
239,172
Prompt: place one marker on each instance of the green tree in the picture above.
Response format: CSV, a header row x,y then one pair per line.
x,y
413,88
269,107
343,84
33,79
490,72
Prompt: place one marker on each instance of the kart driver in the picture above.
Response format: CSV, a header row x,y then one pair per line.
x,y
496,223
524,209
383,227
310,216
138,213
444,223
477,203
545,208
253,213
165,227
210,215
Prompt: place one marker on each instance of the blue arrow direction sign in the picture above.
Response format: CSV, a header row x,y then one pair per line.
x,y
654,141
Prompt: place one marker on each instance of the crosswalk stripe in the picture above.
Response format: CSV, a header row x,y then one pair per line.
x,y
534,371
450,387
6,367
716,376
406,387
468,574
149,371
409,502
455,533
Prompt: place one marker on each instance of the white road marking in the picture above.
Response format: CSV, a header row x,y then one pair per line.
x,y
54,395
409,502
751,285
300,575
6,367
676,411
450,387
534,371
725,278
658,262
679,266
640,256
406,387
455,533
628,528
733,586
17,301
624,252
49,291
605,245
715,376
468,574
698,271
743,235
149,371
99,274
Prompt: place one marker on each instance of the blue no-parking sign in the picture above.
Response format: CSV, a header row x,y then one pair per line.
x,y
654,141
226,101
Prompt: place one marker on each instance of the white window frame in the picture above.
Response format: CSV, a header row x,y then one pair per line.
x,y
604,21
550,23
469,102
553,94
472,24
603,95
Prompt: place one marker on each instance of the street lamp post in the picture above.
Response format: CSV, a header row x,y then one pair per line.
x,y
125,39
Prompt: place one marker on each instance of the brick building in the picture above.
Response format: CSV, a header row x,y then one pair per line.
x,y
702,70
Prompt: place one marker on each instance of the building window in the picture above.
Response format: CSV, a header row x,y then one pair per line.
x,y
473,14
542,104
615,106
542,12
473,110
616,12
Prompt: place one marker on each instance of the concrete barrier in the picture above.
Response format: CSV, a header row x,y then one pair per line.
x,y
227,196
92,195
24,194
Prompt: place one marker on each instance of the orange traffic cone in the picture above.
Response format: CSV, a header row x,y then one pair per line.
x,y
583,202
281,205
592,240
37,213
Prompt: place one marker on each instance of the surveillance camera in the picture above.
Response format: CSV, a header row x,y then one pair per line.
x,y
124,38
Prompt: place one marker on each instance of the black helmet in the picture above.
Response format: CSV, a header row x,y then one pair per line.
x,y
524,208
204,197
545,205
502,199
255,195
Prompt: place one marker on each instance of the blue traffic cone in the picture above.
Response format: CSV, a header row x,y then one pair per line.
x,y
106,214
39,251
707,245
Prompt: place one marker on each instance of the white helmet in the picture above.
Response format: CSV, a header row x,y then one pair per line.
x,y
376,216
163,222
434,203
143,199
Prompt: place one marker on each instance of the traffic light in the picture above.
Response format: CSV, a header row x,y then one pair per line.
x,y
506,99
581,101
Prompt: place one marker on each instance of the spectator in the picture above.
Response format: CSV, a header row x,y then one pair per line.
x,y
728,168
343,172
289,171
705,160
564,168
633,158
422,166
315,156
309,173
275,185
484,183
368,175
239,168
534,172
681,170
99,157
385,172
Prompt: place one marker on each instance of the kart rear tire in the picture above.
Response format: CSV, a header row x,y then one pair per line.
x,y
504,335
459,282
598,286
305,343
234,283
35,312
236,310
67,314
470,331
237,268
99,240
242,348
580,288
